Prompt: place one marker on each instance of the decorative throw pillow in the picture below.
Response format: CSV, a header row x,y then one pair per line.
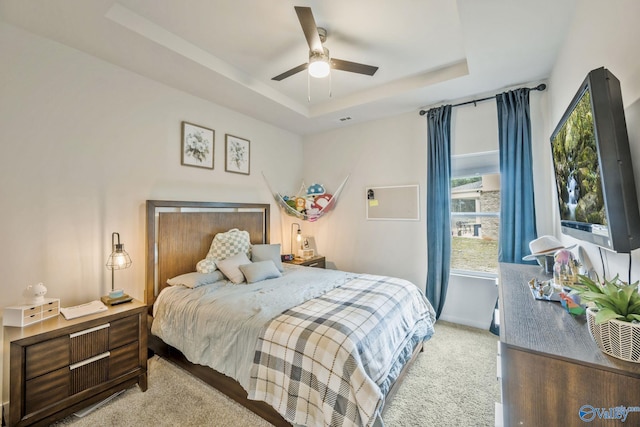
x,y
229,243
193,280
267,252
230,267
261,270
206,265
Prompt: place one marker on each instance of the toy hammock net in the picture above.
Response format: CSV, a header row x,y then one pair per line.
x,y
308,204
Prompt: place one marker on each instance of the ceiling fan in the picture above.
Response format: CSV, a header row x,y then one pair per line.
x,y
320,63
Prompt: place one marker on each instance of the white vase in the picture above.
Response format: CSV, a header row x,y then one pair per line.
x,y
615,337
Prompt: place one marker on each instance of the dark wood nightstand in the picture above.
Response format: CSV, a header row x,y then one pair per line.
x,y
316,261
60,366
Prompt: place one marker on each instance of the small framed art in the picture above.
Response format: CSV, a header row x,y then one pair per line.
x,y
237,154
197,146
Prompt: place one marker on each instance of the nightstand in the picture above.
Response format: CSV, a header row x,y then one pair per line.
x,y
316,261
58,366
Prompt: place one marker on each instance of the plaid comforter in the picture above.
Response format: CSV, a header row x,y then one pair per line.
x,y
323,362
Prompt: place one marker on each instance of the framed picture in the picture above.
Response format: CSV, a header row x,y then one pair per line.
x,y
237,154
197,146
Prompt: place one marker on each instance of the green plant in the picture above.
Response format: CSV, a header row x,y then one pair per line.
x,y
615,299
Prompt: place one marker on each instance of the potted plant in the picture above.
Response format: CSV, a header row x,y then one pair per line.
x,y
613,316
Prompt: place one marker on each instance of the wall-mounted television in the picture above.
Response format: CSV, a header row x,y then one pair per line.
x,y
592,165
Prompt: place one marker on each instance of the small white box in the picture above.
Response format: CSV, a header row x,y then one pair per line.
x,y
306,253
27,314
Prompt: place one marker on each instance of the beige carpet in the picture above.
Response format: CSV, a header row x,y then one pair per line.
x,y
453,383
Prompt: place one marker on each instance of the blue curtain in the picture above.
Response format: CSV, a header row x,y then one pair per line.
x,y
517,208
438,205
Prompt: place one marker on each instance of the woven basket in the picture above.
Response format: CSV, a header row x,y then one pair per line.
x,y
616,338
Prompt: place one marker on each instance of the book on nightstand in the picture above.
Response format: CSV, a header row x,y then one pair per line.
x,y
107,300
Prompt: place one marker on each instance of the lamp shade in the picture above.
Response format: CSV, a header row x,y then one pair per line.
x,y
119,258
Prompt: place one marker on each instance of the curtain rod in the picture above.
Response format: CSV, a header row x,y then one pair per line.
x,y
540,87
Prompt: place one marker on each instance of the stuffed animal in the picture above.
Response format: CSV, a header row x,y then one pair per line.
x,y
301,204
315,190
322,201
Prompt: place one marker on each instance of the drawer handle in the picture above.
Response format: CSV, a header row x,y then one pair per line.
x,y
313,265
88,331
87,361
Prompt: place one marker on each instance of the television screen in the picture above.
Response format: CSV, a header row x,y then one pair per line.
x,y
577,169
595,185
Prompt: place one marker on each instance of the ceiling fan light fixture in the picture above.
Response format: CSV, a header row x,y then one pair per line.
x,y
319,64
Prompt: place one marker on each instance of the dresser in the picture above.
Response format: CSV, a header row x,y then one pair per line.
x,y
553,373
57,367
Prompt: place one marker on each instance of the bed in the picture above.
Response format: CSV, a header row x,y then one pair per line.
x,y
179,235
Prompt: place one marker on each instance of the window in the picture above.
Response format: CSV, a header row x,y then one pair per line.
x,y
475,218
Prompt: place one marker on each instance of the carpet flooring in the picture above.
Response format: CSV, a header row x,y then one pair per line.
x,y
453,383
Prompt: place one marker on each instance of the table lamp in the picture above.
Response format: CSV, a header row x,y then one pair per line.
x,y
118,260
296,247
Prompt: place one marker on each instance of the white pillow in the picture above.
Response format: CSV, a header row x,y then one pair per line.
x,y
193,280
230,267
261,270
267,252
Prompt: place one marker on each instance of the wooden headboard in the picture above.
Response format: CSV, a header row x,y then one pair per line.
x,y
179,235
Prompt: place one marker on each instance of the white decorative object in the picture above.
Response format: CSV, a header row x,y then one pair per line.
x,y
27,314
35,293
616,338
306,253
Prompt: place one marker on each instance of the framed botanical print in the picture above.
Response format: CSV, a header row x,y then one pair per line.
x,y
197,146
237,154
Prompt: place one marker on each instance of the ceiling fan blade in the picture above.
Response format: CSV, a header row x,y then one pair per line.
x,y
305,16
353,67
291,72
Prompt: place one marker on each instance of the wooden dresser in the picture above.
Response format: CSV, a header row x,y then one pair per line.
x,y
60,366
553,373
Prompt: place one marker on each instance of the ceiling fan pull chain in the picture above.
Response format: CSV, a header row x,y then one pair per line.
x,y
308,88
330,87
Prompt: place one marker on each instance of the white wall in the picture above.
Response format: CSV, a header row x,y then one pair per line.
x,y
84,144
602,34
381,153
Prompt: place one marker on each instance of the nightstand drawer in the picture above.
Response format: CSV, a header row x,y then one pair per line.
x,y
89,343
123,331
46,389
123,360
46,356
89,373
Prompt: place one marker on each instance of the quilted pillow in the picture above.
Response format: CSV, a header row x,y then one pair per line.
x,y
206,266
227,244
